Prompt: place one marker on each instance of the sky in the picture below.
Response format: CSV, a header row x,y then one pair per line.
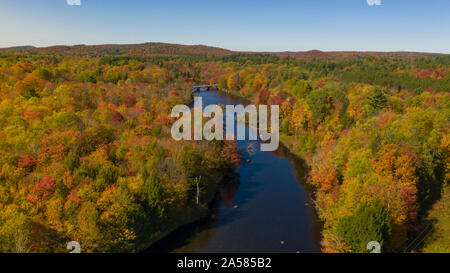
x,y
243,25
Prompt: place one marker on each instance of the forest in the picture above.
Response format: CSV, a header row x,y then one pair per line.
x,y
86,152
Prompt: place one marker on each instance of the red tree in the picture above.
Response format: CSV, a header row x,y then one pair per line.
x,y
42,190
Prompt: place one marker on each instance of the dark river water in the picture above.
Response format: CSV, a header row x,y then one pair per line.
x,y
268,211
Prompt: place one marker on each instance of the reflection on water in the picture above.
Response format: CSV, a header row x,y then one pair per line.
x,y
265,209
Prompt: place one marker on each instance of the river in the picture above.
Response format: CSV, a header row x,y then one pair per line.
x,y
268,211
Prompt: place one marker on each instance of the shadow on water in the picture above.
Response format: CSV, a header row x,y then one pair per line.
x,y
222,204
268,210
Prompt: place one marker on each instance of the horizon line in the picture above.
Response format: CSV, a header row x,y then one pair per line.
x,y
223,48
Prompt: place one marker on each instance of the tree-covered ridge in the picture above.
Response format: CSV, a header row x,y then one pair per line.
x,y
146,49
86,153
154,48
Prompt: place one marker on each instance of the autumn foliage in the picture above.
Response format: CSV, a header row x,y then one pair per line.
x,y
86,151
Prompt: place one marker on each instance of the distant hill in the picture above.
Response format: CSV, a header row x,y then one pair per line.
x,y
146,49
149,49
349,54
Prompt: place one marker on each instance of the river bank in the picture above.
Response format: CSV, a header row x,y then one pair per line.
x,y
268,210
195,216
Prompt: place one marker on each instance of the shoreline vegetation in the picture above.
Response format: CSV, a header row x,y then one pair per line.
x,y
198,216
423,237
86,153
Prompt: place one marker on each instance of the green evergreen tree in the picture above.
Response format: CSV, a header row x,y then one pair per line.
x,y
377,100
369,223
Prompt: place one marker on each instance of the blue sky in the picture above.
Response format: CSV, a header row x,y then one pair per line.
x,y
250,25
